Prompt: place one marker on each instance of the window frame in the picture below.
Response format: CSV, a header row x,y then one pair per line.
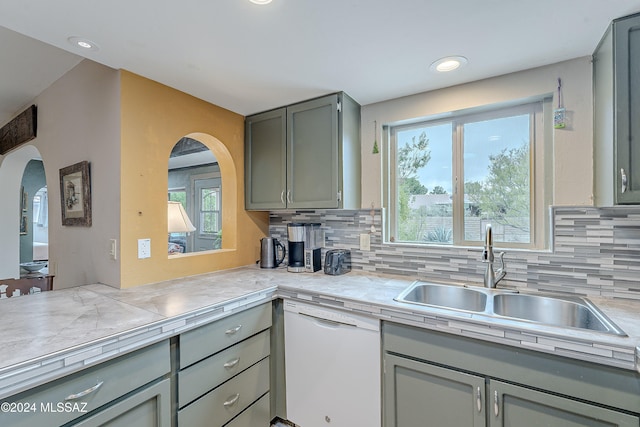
x,y
217,189
541,133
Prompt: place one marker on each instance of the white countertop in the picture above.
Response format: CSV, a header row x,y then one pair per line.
x,y
51,334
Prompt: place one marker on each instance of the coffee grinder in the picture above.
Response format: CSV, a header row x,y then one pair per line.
x,y
296,237
314,240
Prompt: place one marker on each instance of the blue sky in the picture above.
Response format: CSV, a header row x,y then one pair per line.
x,y
481,140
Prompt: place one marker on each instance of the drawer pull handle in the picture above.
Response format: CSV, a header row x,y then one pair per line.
x,y
232,363
623,180
479,400
232,331
232,401
84,392
496,403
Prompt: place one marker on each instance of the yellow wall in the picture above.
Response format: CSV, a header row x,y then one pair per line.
x,y
153,118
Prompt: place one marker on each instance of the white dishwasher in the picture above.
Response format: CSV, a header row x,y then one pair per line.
x,y
332,361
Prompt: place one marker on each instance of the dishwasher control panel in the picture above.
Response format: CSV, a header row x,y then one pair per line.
x,y
332,315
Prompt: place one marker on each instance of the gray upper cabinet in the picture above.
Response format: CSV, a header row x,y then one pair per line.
x,y
266,160
617,114
306,155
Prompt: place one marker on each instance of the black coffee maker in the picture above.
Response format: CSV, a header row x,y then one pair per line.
x,y
295,234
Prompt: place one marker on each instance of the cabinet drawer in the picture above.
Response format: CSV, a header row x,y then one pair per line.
x,y
150,407
92,387
257,414
222,404
207,374
206,340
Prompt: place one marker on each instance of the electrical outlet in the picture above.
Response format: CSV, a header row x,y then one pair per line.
x,y
365,242
144,248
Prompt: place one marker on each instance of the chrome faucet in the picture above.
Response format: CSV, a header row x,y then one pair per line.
x,y
491,278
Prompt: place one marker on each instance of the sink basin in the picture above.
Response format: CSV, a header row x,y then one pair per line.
x,y
445,296
571,312
507,306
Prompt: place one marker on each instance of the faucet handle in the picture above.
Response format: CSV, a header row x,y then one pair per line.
x,y
501,269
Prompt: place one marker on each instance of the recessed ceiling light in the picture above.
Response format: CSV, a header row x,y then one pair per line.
x,y
260,1
448,63
83,43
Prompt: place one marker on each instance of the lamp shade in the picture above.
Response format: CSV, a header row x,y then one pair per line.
x,y
178,220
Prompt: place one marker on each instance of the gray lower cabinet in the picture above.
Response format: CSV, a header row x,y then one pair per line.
x,y
436,379
305,155
418,394
130,390
616,72
224,375
515,406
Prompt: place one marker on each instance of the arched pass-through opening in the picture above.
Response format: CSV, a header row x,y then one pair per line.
x,y
229,187
12,167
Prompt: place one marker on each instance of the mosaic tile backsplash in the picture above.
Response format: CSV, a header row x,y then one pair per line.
x,y
596,251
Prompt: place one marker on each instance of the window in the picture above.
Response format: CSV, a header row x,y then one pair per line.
x,y
449,178
209,211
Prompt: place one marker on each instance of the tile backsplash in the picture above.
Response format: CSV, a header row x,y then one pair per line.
x,y
596,251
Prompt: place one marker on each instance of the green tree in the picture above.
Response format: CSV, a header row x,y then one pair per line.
x,y
412,156
504,196
414,186
438,190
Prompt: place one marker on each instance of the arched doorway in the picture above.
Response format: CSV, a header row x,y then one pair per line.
x,y
16,215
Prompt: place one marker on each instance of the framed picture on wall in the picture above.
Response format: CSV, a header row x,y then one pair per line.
x,y
75,194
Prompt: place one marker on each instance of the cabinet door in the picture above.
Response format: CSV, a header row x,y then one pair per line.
x,y
265,160
312,153
513,406
627,90
150,407
417,394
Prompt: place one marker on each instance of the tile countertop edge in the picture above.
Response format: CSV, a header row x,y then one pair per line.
x,y
541,339
31,373
368,294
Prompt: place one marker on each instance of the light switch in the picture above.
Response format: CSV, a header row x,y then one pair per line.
x,y
113,249
144,248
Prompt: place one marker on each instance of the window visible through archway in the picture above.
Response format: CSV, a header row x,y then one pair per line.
x,y
195,181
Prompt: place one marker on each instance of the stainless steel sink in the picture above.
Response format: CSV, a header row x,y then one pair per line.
x,y
571,312
501,305
445,296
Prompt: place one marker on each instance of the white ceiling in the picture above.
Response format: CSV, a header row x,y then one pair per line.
x,y
250,58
